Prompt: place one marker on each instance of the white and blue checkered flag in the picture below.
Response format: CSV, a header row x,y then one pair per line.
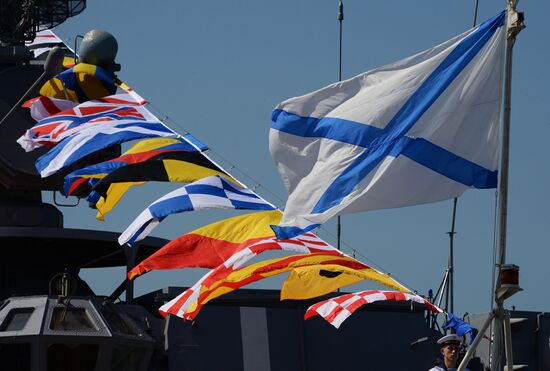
x,y
420,130
213,192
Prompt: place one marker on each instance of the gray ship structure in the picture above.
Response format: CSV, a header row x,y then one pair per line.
x,y
50,318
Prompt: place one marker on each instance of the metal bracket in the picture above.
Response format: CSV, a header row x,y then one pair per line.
x,y
515,22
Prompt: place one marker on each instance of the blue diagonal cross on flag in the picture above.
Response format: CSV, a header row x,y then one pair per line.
x,y
420,130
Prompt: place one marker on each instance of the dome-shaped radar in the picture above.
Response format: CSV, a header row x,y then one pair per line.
x,y
99,48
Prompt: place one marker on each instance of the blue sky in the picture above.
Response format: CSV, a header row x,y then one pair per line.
x,y
217,69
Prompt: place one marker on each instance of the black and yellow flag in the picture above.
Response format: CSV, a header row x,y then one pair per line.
x,y
182,167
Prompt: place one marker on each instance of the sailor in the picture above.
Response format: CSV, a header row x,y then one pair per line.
x,y
93,77
450,350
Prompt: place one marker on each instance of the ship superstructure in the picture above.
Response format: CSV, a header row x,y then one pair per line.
x,y
50,319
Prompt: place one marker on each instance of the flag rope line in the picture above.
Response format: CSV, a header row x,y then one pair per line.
x,y
166,117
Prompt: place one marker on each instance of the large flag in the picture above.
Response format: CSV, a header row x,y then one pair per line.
x,y
53,129
420,130
96,137
77,182
337,310
341,270
211,245
182,167
209,193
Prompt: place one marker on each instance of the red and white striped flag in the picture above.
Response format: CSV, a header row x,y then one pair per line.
x,y
338,309
53,129
43,107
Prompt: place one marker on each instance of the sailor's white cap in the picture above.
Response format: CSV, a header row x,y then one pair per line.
x,y
450,339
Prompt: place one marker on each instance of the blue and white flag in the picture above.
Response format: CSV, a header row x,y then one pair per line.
x,y
213,192
420,130
57,126
461,327
96,137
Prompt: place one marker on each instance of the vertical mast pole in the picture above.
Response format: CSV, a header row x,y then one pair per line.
x,y
450,298
450,288
475,12
499,316
514,26
340,20
505,153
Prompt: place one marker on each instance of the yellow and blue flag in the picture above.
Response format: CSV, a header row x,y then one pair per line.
x,y
81,83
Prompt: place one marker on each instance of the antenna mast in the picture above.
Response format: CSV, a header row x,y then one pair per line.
x,y
448,280
340,20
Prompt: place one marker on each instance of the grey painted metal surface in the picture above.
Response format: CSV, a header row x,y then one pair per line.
x,y
530,340
255,339
253,330
34,323
86,334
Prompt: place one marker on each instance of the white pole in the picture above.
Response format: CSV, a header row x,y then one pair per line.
x,y
514,26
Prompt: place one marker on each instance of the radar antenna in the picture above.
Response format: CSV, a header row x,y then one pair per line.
x,y
20,20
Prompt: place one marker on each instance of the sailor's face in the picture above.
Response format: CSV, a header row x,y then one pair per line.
x,y
450,353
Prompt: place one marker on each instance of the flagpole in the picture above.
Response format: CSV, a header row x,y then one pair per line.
x,y
515,25
500,316
340,20
513,30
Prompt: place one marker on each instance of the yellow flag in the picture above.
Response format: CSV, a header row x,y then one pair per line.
x,y
317,280
114,195
225,280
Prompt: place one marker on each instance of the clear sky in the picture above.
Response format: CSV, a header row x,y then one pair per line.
x,y
218,68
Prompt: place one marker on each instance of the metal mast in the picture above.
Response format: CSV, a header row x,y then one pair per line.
x,y
450,301
340,20
501,317
448,284
515,25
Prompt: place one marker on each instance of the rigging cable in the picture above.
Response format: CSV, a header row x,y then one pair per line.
x,y
160,113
